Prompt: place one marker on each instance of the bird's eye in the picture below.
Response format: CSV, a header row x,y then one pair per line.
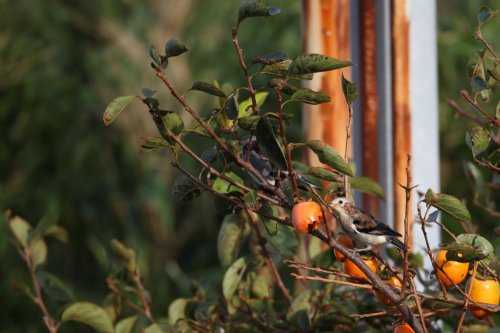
x,y
341,202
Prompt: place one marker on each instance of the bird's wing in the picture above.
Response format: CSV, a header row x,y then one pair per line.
x,y
366,223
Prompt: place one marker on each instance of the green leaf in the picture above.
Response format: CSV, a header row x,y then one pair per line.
x,y
20,229
112,304
184,189
485,14
285,241
174,47
155,56
464,253
323,173
208,88
299,303
42,227
115,107
479,84
153,143
125,255
255,8
57,232
232,234
54,287
223,186
308,96
177,310
268,143
314,63
126,325
233,276
244,108
350,90
330,157
448,204
249,123
260,287
478,139
480,243
271,226
270,58
38,250
367,185
153,328
89,314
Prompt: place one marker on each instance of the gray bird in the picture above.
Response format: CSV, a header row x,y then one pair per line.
x,y
361,227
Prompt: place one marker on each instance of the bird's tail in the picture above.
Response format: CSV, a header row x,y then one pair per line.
x,y
398,243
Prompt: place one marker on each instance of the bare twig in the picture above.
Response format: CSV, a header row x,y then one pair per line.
x,y
466,303
465,114
293,179
417,302
480,38
466,96
340,282
38,299
239,51
346,151
407,189
142,295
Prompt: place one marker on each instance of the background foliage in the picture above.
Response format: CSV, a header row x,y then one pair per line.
x,y
60,63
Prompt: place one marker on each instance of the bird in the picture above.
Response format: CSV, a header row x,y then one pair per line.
x,y
361,227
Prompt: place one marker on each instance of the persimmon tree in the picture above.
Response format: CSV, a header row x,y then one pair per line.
x,y
268,199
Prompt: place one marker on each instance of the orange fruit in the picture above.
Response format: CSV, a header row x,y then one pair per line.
x,y
307,216
483,291
393,282
352,269
403,328
457,271
347,242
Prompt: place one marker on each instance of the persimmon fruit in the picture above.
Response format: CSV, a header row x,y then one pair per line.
x,y
347,242
483,291
403,328
352,269
392,282
456,271
307,216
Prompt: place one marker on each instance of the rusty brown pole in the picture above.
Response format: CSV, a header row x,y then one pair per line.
x,y
326,30
369,98
400,26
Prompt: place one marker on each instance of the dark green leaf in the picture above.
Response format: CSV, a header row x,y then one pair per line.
x,y
153,143
285,241
350,90
249,123
323,173
330,157
115,107
89,314
478,139
464,253
448,204
54,287
232,234
485,14
255,8
208,88
281,69
308,96
270,225
148,92
231,107
268,143
184,189
314,63
367,185
300,303
478,84
480,243
155,56
174,47
270,58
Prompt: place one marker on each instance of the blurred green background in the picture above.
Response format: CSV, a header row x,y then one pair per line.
x,y
61,63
